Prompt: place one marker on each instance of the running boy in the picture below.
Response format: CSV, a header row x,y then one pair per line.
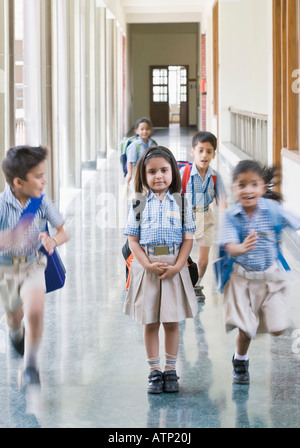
x,y
143,130
203,186
22,266
255,299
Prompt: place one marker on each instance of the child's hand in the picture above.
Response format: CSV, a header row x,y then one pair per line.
x,y
169,272
249,242
48,242
157,268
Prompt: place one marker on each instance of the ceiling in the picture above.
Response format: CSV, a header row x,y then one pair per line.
x,y
154,11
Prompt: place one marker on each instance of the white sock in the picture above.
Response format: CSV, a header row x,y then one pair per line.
x,y
31,355
241,357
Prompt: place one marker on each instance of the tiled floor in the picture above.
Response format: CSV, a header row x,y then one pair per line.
x,y
93,363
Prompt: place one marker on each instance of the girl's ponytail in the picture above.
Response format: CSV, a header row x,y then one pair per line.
x,y
271,176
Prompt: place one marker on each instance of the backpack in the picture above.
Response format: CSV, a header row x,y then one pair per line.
x,y
123,146
187,174
224,264
125,142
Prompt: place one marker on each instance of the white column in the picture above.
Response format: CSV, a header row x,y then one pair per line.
x,y
101,81
4,81
32,72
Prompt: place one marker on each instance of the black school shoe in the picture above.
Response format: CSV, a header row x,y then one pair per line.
x,y
155,382
18,345
240,372
171,381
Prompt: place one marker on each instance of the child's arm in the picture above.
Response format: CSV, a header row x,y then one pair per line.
x,y
13,236
185,250
50,243
236,249
139,254
129,172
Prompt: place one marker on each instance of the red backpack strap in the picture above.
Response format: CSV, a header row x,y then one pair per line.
x,y
185,178
214,178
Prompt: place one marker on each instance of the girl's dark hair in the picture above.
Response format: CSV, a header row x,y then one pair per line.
x,y
140,182
270,176
143,120
202,137
20,160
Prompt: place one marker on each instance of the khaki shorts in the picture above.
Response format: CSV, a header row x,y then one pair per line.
x,y
205,221
256,306
16,281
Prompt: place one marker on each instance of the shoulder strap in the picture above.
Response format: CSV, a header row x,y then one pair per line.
x,y
276,221
32,207
185,178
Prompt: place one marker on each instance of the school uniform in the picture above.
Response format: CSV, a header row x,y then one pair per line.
x,y
201,193
255,298
133,153
160,231
22,266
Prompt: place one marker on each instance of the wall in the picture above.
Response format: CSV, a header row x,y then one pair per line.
x,y
160,44
244,62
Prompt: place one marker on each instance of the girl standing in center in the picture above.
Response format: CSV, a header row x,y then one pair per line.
x,y
160,289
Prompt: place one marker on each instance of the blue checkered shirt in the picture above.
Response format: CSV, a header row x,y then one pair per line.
x,y
265,252
132,151
10,213
161,223
201,192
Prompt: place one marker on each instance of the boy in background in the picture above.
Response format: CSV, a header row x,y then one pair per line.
x,y
203,186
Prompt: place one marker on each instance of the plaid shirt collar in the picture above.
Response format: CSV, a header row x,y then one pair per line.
x,y
261,205
10,198
195,172
150,195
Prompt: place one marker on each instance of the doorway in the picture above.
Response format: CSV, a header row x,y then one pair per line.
x,y
169,95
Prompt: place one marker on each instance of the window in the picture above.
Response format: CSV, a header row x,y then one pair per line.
x,y
160,85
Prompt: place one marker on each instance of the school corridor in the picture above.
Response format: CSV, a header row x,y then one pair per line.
x,y
93,363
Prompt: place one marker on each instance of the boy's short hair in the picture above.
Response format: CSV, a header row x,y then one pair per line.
x,y
19,160
203,136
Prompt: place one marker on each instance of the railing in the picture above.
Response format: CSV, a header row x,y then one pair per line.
x,y
249,132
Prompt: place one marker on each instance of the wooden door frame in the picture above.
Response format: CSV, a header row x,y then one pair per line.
x,y
187,84
285,102
151,68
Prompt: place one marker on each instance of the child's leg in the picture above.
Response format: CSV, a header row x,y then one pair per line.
x,y
16,329
240,359
203,254
171,344
34,313
171,349
151,341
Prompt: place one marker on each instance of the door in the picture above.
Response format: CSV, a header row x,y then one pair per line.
x,y
159,96
184,97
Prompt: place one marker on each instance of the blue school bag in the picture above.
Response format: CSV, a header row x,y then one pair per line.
x,y
224,264
55,272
